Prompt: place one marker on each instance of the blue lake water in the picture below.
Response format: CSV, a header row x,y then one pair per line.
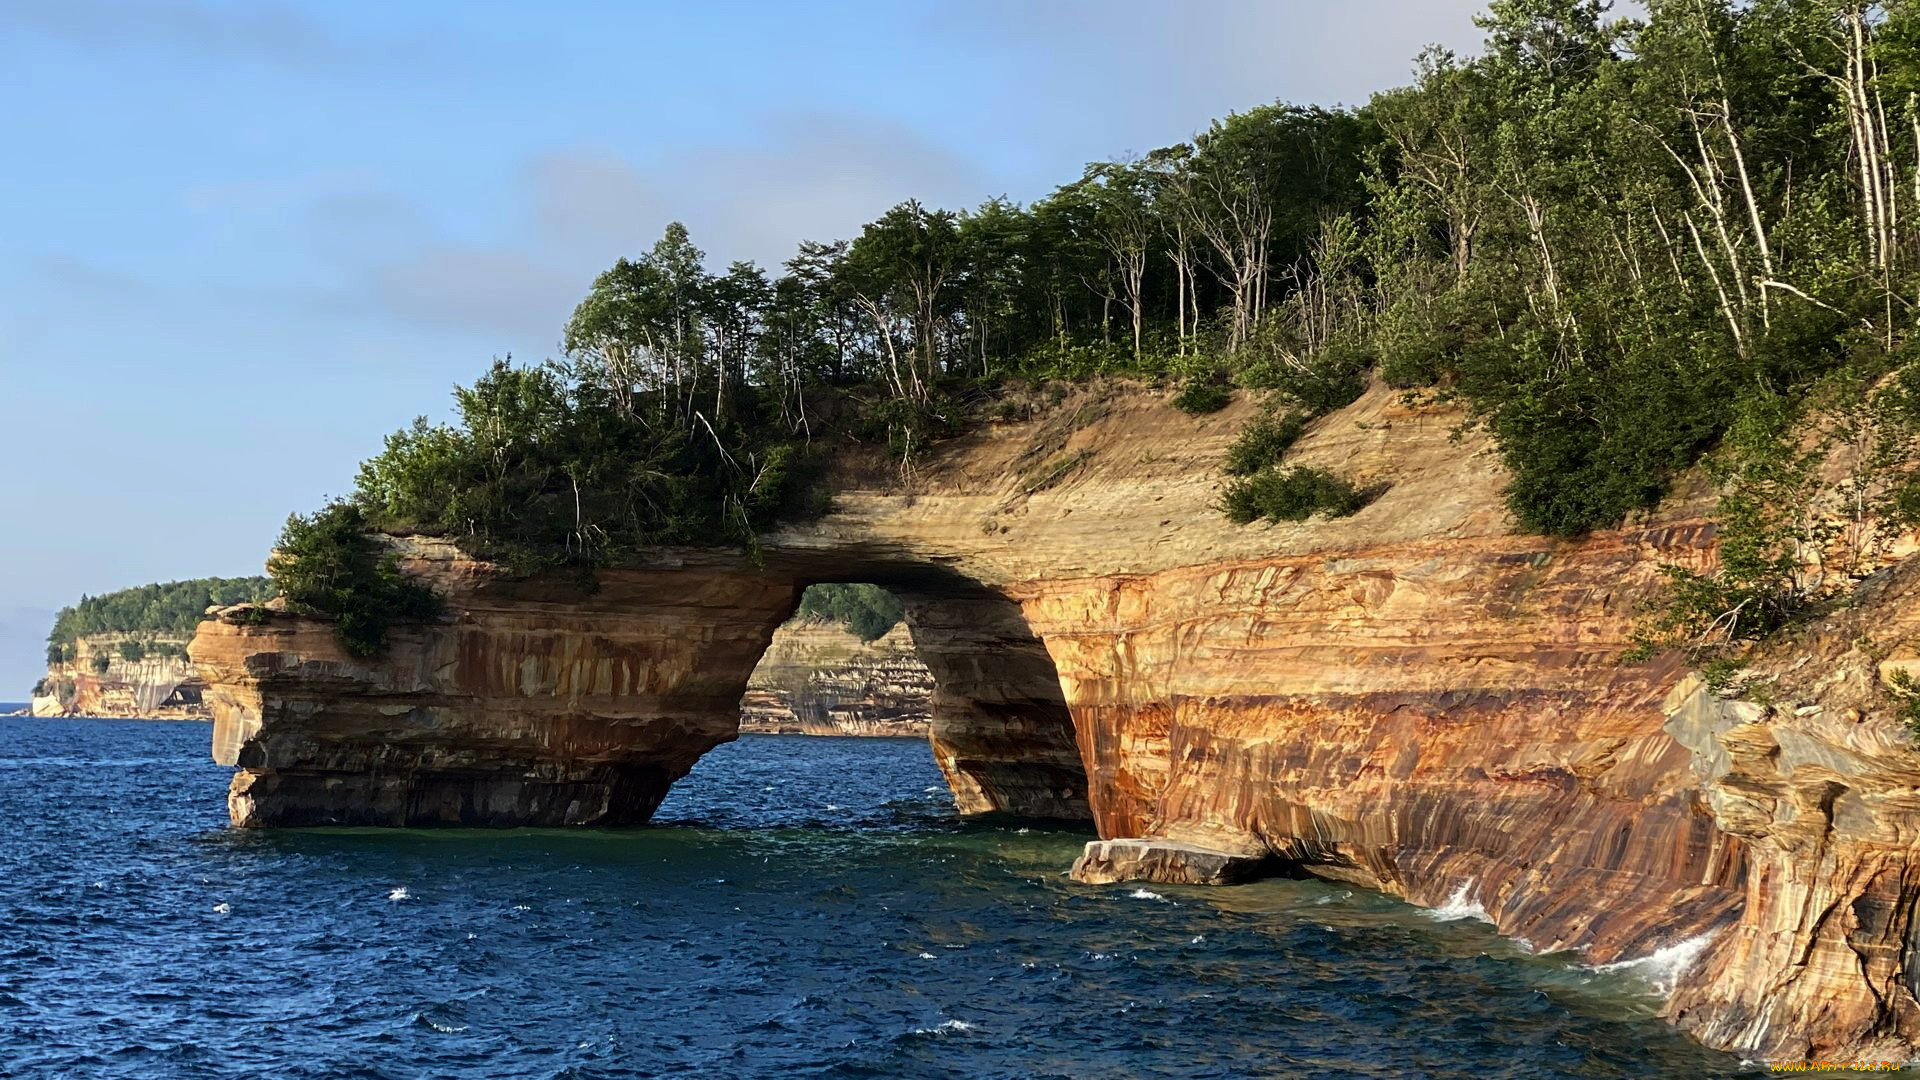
x,y
806,907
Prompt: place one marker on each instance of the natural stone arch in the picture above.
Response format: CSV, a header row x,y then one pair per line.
x,y
1413,698
545,701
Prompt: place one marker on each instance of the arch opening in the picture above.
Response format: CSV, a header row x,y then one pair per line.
x,y
545,701
951,661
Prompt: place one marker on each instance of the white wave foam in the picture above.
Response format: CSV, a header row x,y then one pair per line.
x,y
444,1029
1148,894
1460,906
946,1028
1662,968
222,908
927,956
399,893
1197,939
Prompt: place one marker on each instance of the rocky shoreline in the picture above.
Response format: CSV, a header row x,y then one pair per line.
x,y
1414,698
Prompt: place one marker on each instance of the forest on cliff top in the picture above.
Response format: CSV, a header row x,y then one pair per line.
x,y
169,609
1625,244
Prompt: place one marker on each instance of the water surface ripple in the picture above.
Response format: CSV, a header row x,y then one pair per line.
x,y
808,907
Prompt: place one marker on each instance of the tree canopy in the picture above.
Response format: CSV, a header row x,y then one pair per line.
x,y
867,611
1611,238
172,608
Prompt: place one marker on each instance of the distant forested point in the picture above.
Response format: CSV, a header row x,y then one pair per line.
x,y
173,608
867,611
1623,245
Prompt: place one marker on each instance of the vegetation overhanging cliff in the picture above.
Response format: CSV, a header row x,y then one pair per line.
x,y
1620,244
1438,642
1413,697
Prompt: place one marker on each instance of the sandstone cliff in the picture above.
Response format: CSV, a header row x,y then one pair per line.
x,y
816,678
99,681
1413,698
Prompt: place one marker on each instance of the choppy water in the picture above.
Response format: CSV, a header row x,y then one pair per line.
x,y
811,908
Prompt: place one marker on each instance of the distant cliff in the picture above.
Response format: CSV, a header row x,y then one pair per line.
x,y
124,653
122,674
817,678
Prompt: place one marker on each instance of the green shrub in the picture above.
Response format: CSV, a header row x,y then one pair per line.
x,y
1290,495
908,426
545,469
1199,398
1413,356
327,564
1264,441
867,611
1077,362
56,654
132,651
101,663
1419,336
1908,694
1333,378
1769,474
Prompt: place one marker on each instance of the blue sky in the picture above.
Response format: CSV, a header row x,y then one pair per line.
x,y
241,242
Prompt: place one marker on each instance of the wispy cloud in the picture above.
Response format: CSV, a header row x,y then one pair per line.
x,y
262,30
90,279
796,177
1116,69
272,194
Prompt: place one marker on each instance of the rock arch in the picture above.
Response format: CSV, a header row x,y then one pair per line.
x,y
538,701
1412,698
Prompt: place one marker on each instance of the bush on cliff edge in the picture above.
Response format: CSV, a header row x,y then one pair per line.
x,y
327,563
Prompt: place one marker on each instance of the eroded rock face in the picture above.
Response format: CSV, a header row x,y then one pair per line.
x,y
100,681
818,678
531,704
1141,859
1411,698
1825,797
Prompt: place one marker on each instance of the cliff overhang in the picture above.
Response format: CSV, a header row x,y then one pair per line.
x,y
1413,698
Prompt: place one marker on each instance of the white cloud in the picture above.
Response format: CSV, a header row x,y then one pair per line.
x,y
795,177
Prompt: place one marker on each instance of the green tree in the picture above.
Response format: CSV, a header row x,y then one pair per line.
x,y
867,611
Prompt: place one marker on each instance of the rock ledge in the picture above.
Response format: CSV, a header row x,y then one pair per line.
x,y
1170,862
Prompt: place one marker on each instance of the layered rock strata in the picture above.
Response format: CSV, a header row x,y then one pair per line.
x,y
1170,861
1412,698
101,681
817,678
